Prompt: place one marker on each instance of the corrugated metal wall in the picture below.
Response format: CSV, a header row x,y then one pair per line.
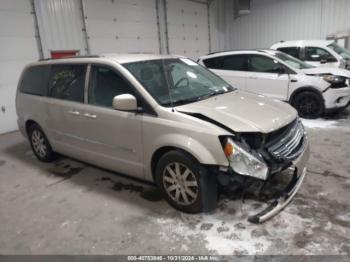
x,y
273,20
18,47
60,25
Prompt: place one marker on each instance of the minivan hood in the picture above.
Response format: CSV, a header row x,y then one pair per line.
x,y
327,70
243,112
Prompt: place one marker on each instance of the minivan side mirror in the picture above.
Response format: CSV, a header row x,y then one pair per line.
x,y
125,102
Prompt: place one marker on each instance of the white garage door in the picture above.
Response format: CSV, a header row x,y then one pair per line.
x,y
123,26
18,47
188,28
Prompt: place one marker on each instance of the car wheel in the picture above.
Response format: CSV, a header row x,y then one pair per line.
x,y
309,105
40,144
185,184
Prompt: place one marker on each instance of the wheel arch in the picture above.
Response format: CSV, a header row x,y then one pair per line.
x,y
208,154
161,152
28,124
304,89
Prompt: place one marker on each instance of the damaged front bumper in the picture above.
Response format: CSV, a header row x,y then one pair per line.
x,y
299,172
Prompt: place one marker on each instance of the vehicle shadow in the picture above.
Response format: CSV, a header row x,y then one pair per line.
x,y
342,115
88,177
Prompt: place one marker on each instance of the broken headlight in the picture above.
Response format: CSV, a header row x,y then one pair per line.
x,y
243,162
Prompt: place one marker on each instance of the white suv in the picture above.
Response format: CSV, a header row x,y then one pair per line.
x,y
312,91
163,119
316,52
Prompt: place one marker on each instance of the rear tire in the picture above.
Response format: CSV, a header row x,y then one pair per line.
x,y
309,105
40,144
185,184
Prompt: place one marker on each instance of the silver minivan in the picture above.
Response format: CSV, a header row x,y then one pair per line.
x,y
164,119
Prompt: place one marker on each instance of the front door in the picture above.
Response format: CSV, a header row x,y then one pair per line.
x,y
113,138
267,77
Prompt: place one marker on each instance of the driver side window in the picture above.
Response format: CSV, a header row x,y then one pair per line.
x,y
316,54
263,64
104,85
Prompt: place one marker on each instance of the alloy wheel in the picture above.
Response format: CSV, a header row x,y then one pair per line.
x,y
39,143
180,183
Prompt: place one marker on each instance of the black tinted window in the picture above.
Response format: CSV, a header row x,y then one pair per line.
x,y
293,51
67,82
263,64
316,54
213,63
232,62
235,62
104,85
34,80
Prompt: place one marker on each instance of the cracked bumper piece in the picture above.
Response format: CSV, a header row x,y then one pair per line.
x,y
289,192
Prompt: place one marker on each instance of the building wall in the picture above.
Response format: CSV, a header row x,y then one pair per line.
x,y
18,47
273,20
60,25
119,26
188,33
221,14
122,26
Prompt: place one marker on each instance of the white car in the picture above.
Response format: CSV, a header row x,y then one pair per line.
x,y
312,91
316,52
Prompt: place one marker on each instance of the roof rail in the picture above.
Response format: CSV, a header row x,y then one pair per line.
x,y
224,51
233,50
65,57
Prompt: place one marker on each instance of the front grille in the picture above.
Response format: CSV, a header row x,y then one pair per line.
x,y
289,144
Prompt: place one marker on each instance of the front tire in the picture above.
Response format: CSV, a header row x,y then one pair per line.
x,y
185,184
309,105
40,144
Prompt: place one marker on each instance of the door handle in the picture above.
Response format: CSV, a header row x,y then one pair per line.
x,y
74,112
90,115
253,77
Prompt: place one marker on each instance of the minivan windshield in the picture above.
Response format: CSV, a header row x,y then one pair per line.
x,y
343,52
177,81
292,61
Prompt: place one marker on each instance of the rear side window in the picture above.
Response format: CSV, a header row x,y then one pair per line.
x,y
293,51
67,82
235,62
34,80
213,63
232,62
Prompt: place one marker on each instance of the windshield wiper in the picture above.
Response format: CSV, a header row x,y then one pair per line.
x,y
181,102
197,98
